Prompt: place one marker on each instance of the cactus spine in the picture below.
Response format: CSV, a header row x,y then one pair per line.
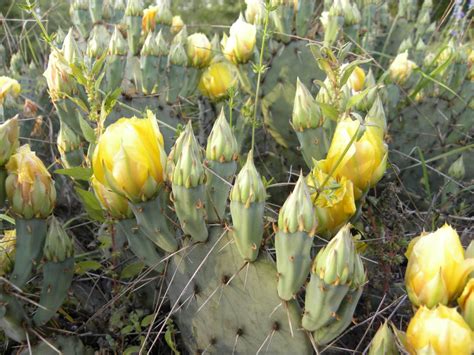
x,y
293,240
247,207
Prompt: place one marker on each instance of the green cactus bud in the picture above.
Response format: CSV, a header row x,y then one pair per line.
x,y
16,63
221,155
175,152
58,245
150,46
338,262
376,116
181,37
134,8
189,171
221,144
7,251
293,241
177,55
306,113
164,15
457,170
120,5
406,45
96,8
297,213
60,36
248,186
9,133
118,45
98,41
70,147
351,13
70,48
247,207
383,342
162,45
29,186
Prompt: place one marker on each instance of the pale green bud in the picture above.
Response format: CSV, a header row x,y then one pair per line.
x,y
181,37
406,45
221,144
70,48
248,186
297,213
457,170
383,342
306,113
134,8
178,55
118,45
420,45
189,170
98,42
164,15
162,45
67,140
58,245
376,116
150,46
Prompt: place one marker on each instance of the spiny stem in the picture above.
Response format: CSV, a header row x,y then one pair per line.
x,y
260,70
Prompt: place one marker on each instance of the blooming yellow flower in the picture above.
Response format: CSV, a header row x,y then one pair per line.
x,y
129,158
365,160
217,79
401,68
334,202
437,270
149,19
8,86
177,24
466,302
30,188
116,205
199,50
440,331
357,79
239,46
9,132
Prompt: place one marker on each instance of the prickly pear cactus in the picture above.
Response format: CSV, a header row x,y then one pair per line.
x,y
208,283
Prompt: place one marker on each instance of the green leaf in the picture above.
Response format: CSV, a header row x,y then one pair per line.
x,y
88,265
77,173
147,320
132,270
7,218
91,204
87,130
329,111
349,69
169,337
355,99
132,350
127,330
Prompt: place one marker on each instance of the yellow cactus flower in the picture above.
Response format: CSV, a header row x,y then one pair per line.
x,y
466,302
149,19
365,160
334,203
8,86
199,50
115,205
58,76
177,24
357,79
9,132
437,269
239,46
217,79
29,186
129,158
401,68
440,331
7,251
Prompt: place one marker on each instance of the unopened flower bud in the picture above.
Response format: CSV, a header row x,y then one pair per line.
x,y
118,45
221,144
58,245
9,133
306,113
401,68
199,50
134,8
248,186
177,24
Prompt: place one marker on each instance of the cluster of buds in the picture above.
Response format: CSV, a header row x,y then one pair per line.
x,y
239,46
29,186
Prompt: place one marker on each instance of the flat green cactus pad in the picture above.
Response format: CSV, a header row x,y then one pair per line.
x,y
279,87
223,306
